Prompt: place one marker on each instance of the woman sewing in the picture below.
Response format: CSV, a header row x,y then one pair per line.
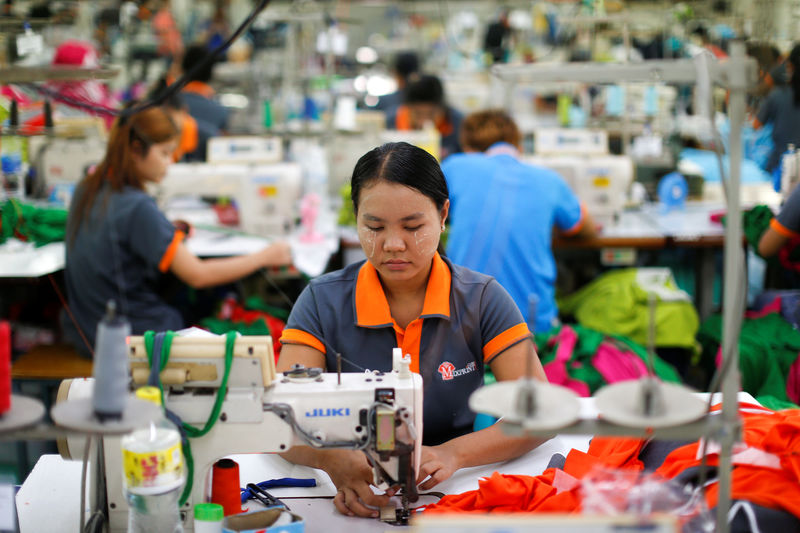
x,y
452,321
120,245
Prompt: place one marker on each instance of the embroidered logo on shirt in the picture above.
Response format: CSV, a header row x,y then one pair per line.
x,y
448,370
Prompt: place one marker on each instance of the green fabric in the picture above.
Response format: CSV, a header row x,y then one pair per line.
x,y
580,364
767,348
257,303
616,304
771,402
219,326
755,222
40,225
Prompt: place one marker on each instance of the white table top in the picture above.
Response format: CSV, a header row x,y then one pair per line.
x,y
23,260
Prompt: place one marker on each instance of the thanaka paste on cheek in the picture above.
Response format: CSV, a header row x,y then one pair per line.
x,y
426,243
367,238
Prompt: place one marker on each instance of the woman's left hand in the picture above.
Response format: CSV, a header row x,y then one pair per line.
x,y
437,462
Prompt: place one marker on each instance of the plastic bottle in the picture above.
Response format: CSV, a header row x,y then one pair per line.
x,y
208,518
153,473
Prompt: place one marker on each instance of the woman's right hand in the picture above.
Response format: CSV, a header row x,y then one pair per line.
x,y
352,475
277,254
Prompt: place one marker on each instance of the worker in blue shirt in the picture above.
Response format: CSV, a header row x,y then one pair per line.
x,y
503,212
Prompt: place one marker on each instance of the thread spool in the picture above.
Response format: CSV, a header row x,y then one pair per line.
x,y
111,367
5,366
225,486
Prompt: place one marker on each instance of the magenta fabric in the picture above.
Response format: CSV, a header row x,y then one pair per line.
x,y
793,382
617,365
556,370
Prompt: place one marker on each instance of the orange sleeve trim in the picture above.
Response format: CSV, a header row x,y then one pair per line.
x,y
510,336
574,230
783,230
169,255
297,336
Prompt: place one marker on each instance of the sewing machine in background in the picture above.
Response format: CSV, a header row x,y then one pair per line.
x,y
581,157
266,195
379,413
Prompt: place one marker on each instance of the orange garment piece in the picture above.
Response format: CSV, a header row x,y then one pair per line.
x,y
775,432
509,493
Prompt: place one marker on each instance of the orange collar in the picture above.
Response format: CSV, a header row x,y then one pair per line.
x,y
199,87
372,308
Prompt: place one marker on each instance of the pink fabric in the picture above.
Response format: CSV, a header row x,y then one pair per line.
x,y
617,365
556,370
793,382
773,307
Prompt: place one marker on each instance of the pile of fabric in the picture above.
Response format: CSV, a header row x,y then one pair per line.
x,y
584,360
255,317
766,474
30,223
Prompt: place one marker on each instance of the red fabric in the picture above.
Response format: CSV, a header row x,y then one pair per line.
x,y
248,316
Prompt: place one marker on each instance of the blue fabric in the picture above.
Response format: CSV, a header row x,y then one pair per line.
x,y
707,161
502,213
115,255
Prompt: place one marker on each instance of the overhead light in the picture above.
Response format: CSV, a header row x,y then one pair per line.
x,y
366,55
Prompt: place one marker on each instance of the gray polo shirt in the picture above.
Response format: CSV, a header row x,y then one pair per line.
x,y
120,252
467,320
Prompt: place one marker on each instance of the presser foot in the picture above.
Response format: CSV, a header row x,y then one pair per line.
x,y
396,515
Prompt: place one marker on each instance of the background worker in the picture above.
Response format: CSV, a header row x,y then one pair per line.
x,y
424,103
503,213
120,245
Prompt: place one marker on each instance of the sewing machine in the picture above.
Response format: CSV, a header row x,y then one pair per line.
x,y
378,413
266,195
581,157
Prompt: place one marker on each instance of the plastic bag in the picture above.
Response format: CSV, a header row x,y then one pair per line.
x,y
642,494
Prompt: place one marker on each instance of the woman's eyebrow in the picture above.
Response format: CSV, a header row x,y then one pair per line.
x,y
413,216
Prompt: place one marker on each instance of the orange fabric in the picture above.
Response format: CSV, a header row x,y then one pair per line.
x,y
775,432
504,340
372,308
199,87
514,493
296,336
172,249
402,120
783,230
574,230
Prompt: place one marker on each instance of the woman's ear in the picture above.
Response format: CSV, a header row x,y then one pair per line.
x,y
444,212
138,149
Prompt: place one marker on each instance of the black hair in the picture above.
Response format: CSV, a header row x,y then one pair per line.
x,y
427,89
794,59
401,163
172,101
194,55
406,64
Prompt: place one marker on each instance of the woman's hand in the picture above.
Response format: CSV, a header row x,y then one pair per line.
x,y
277,254
439,463
352,475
